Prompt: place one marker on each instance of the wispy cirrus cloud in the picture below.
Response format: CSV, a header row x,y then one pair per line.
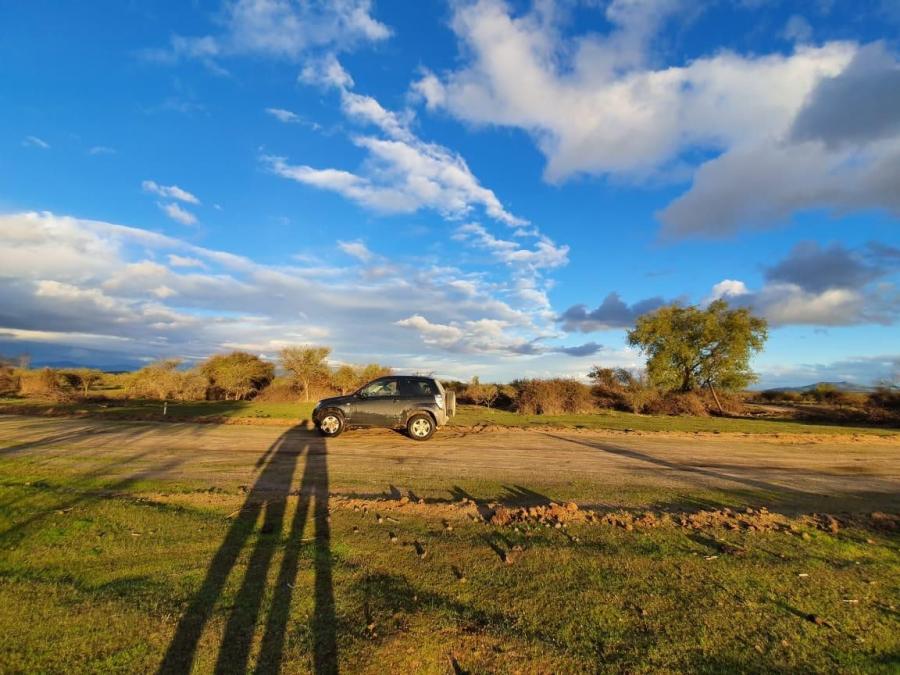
x,y
277,29
35,142
169,192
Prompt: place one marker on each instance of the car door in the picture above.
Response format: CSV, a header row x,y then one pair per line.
x,y
378,404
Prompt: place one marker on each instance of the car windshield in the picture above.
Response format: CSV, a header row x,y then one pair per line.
x,y
379,388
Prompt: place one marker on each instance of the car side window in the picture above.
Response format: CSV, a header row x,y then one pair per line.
x,y
416,388
380,388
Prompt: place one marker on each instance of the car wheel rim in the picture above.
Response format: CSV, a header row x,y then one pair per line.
x,y
331,424
421,428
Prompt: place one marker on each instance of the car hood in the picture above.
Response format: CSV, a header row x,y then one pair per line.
x,y
336,400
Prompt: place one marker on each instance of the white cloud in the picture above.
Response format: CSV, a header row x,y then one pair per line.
x,y
728,288
403,173
101,150
594,105
602,104
545,253
178,214
356,249
35,142
283,115
176,260
152,295
279,29
169,192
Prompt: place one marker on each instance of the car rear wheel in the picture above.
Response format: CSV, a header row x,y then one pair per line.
x,y
420,427
331,425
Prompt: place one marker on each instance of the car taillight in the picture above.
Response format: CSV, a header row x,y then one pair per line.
x,y
439,399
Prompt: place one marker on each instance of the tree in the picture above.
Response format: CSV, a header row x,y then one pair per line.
x,y
688,347
345,378
372,371
238,375
307,365
82,379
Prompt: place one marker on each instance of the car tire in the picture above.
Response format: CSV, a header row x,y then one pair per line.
x,y
420,427
331,424
451,403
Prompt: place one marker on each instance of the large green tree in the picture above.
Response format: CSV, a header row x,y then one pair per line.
x,y
689,347
238,375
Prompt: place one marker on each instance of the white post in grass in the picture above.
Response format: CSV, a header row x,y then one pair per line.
x,y
165,407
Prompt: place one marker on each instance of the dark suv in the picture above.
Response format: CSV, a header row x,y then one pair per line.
x,y
418,404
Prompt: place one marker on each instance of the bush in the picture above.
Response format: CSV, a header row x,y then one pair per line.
x,y
620,389
677,403
480,394
555,396
43,383
886,397
9,380
281,390
162,380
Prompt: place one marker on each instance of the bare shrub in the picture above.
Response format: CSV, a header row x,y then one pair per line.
x,y
555,396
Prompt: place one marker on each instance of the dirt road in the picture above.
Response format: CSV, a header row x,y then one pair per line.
x,y
597,469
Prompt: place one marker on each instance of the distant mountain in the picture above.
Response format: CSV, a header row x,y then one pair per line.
x,y
840,386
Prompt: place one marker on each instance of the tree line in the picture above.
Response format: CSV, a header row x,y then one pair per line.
x,y
234,376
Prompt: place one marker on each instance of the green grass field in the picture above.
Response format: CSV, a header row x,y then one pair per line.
x,y
137,547
467,416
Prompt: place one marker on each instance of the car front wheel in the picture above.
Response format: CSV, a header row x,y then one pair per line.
x,y
331,425
420,427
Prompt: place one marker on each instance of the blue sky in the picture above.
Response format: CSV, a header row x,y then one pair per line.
x,y
480,188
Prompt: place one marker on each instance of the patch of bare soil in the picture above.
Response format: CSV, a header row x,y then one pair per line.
x,y
560,516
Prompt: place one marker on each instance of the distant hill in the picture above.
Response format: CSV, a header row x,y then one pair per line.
x,y
840,386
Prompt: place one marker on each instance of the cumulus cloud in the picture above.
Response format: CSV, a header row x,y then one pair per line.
x,y
822,286
612,313
858,105
816,268
813,128
280,29
813,285
594,103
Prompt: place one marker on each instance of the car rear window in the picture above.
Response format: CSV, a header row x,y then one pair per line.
x,y
418,388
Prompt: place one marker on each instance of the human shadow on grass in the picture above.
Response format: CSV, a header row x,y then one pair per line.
x,y
267,500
